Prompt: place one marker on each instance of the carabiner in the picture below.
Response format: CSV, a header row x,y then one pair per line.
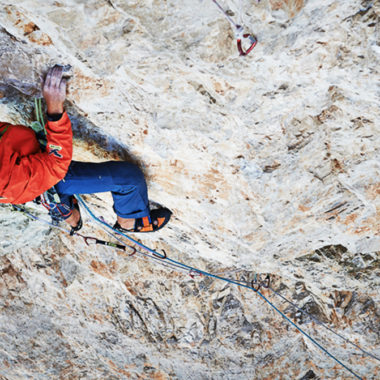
x,y
255,282
134,250
159,256
87,238
101,242
193,273
266,282
240,35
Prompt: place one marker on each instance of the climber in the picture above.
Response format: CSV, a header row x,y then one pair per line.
x,y
27,170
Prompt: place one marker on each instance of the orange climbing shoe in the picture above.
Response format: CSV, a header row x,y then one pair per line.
x,y
158,219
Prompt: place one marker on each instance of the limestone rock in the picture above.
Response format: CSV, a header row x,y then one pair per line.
x,y
270,164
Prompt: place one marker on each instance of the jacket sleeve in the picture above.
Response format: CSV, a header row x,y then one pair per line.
x,y
40,171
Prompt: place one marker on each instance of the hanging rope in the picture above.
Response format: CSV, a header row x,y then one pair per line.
x,y
266,284
324,325
255,284
159,256
163,260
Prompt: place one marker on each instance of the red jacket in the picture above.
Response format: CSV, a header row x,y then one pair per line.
x,y
26,171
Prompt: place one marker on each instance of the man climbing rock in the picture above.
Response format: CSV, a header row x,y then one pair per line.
x,y
27,170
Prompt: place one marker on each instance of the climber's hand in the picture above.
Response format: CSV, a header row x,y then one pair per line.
x,y
54,90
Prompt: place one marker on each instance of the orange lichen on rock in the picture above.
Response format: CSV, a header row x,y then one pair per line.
x,y
83,86
292,7
155,374
118,370
350,218
214,180
40,38
103,269
370,224
130,288
373,191
303,208
29,28
96,317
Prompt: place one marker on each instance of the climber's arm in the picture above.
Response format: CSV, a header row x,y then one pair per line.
x,y
27,176
54,90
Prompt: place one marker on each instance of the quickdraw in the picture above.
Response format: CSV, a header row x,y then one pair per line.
x,y
88,239
95,240
239,33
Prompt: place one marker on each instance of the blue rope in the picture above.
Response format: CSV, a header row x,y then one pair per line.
x,y
315,320
324,325
216,277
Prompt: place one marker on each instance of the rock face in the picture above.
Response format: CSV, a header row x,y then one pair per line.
x,y
269,162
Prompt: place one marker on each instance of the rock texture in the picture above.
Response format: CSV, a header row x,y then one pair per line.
x,y
270,164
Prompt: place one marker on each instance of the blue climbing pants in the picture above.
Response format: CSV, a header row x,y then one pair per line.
x,y
124,180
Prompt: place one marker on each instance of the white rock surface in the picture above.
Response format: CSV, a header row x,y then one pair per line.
x,y
270,164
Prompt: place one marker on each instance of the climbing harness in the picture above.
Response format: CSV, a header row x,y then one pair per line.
x,y
239,33
51,201
58,211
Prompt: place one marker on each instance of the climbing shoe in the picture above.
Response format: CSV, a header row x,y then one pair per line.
x,y
158,219
77,227
80,222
